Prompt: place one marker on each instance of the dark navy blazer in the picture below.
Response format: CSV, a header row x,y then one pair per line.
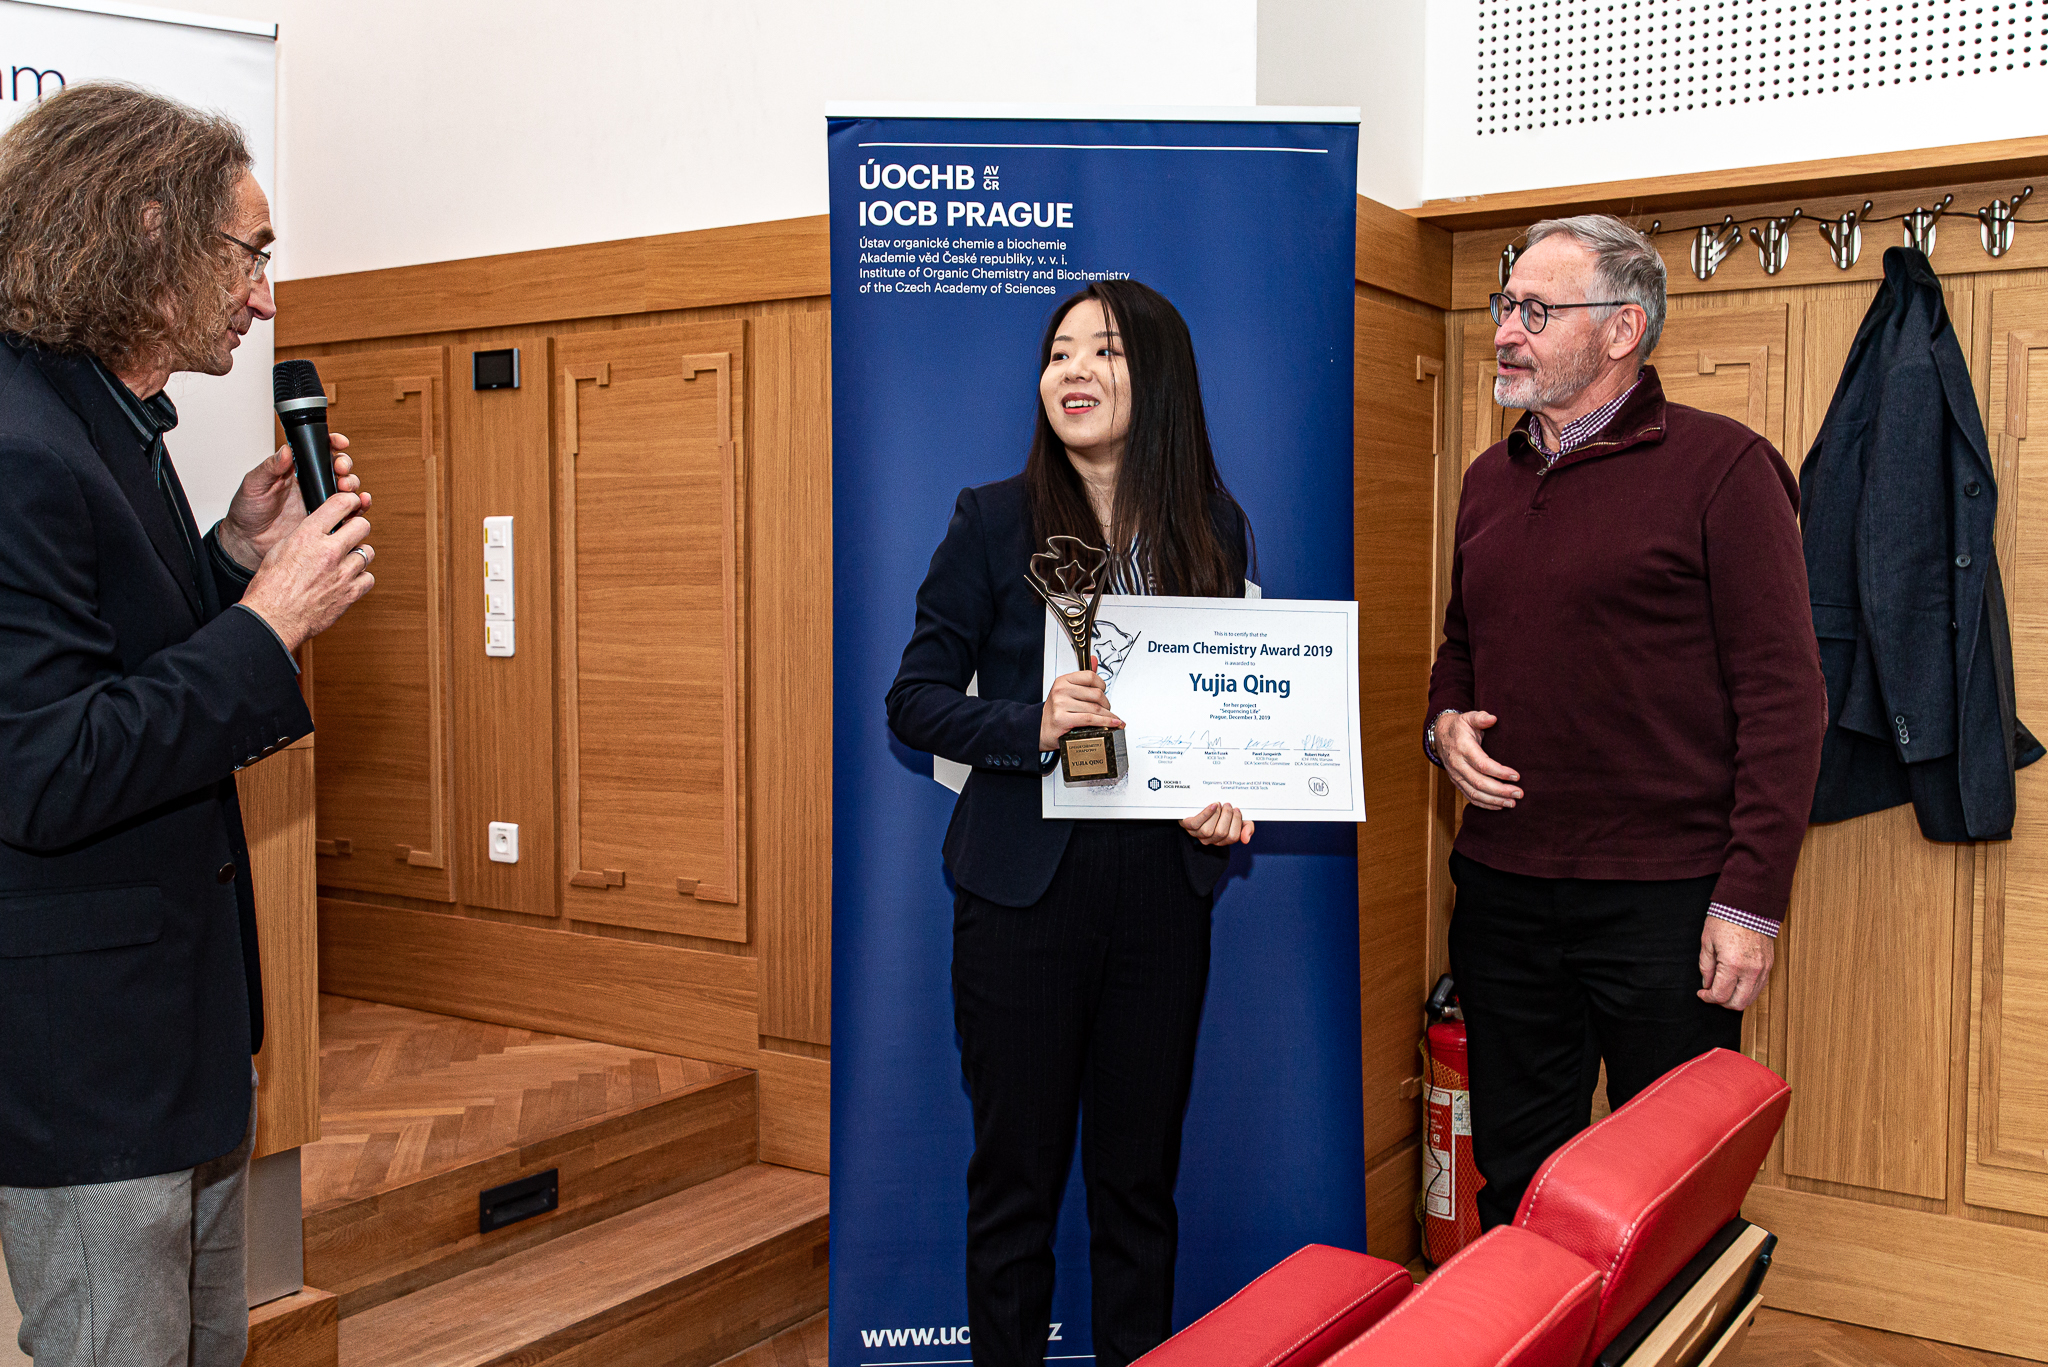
x,y
977,613
130,994
1898,503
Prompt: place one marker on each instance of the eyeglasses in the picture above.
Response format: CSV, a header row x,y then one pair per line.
x,y
259,262
1535,313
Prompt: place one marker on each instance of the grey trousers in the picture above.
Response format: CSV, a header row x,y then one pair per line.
x,y
142,1273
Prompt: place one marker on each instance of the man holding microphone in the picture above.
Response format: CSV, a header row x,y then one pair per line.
x,y
141,664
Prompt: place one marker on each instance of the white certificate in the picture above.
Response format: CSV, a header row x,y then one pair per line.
x,y
1253,702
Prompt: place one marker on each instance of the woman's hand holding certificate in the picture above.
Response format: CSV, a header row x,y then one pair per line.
x,y
1250,704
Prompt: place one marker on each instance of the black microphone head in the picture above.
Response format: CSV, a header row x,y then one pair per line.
x,y
295,380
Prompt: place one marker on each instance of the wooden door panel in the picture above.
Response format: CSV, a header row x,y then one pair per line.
x,y
1727,361
1867,1022
380,697
1867,1051
2008,1133
1486,422
653,797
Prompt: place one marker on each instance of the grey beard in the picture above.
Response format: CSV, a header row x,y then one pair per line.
x,y
1571,373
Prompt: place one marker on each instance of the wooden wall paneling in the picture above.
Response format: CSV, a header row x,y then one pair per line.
x,y
503,707
1398,253
1911,1272
2008,1132
1868,173
645,996
649,609
1468,415
1957,249
1868,1051
380,694
1867,1047
277,813
796,1110
1728,361
1398,396
1485,422
789,702
746,263
1391,1187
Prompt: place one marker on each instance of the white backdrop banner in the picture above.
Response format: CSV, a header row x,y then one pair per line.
x,y
222,65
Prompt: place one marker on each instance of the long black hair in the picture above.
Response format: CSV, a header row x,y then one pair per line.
x,y
1169,497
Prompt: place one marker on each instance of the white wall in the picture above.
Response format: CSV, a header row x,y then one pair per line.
x,y
426,130
1367,53
1766,81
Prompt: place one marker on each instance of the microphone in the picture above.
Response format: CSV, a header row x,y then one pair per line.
x,y
302,408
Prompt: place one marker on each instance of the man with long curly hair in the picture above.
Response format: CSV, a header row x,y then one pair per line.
x,y
141,664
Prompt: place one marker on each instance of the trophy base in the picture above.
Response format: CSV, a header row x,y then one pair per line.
x,y
1094,754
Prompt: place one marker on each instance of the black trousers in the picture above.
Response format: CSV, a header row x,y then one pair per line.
x,y
1086,1002
1555,975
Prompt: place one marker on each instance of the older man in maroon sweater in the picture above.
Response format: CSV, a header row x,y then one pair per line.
x,y
1629,694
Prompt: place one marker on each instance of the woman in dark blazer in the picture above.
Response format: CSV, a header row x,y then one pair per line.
x,y
1080,948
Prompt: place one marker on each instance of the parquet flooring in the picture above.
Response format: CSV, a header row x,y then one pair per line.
x,y
406,1094
1780,1339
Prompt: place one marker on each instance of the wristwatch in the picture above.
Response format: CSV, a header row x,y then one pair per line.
x,y
1429,735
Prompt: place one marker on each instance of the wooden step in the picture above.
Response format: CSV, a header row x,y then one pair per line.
x,y
800,1345
684,1281
419,1113
293,1331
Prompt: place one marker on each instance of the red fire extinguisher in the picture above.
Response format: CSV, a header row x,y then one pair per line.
x,y
1449,1208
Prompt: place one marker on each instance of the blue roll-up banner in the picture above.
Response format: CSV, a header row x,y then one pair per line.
x,y
953,235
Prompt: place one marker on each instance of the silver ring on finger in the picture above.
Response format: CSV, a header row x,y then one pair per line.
x,y
364,551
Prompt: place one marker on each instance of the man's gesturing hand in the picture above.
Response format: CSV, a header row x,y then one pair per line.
x,y
1734,963
266,508
312,576
1484,782
1075,700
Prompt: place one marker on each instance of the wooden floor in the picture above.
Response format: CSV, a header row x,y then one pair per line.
x,y
405,1094
1785,1340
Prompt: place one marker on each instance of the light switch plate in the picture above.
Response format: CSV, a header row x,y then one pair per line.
x,y
499,637
504,842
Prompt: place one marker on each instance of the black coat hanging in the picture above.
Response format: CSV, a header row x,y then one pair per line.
x,y
1898,502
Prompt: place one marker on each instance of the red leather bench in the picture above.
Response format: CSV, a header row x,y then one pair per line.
x,y
1640,1193
1296,1314
1512,1299
1650,1194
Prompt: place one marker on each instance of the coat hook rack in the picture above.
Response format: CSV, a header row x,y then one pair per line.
x,y
1774,241
1920,225
1845,236
1711,243
1508,256
1994,222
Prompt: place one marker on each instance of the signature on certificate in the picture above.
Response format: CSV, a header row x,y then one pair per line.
x,y
1211,740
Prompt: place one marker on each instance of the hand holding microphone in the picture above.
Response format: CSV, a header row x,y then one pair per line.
x,y
302,410
309,552
263,513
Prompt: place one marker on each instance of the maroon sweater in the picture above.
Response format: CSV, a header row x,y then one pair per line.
x,y
1637,618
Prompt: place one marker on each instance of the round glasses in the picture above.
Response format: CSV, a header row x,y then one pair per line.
x,y
1535,313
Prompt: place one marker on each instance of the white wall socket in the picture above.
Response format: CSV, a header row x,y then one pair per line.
x,y
504,842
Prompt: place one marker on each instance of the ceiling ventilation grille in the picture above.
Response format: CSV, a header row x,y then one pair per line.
x,y
1562,63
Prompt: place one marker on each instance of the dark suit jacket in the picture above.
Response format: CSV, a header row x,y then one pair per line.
x,y
130,994
977,613
1898,502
